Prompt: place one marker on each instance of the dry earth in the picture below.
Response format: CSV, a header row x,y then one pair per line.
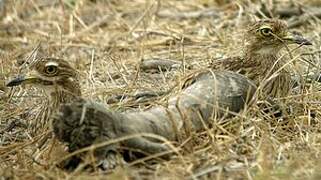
x,y
106,40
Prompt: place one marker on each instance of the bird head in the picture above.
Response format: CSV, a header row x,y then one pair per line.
x,y
269,36
51,75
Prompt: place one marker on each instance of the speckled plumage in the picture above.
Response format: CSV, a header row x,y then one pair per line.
x,y
260,60
61,86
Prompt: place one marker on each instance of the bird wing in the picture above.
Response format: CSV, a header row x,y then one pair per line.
x,y
234,64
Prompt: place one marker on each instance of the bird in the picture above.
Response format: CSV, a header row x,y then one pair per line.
x,y
58,79
261,61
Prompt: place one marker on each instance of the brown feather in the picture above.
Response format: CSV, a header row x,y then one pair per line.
x,y
261,59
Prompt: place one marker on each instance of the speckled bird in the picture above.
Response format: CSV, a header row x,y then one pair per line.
x,y
264,40
261,61
57,78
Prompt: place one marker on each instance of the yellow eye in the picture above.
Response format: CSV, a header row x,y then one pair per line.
x,y
51,70
266,31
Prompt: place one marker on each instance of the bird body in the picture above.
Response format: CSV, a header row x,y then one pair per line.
x,y
258,68
261,62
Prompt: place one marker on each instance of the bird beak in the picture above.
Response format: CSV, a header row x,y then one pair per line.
x,y
296,38
23,79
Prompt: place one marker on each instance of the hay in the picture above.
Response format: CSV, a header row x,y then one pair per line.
x,y
106,41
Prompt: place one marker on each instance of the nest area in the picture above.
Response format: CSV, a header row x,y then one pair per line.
x,y
109,43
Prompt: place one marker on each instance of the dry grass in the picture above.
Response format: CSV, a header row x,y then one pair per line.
x,y
106,40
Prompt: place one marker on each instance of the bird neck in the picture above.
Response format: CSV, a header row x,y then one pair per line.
x,y
257,48
70,93
264,56
60,97
56,97
260,63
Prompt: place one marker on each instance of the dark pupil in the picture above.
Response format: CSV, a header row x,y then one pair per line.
x,y
266,31
50,69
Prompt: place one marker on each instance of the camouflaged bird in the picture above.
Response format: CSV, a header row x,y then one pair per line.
x,y
264,40
59,81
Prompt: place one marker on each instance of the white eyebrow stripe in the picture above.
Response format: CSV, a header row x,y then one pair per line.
x,y
51,64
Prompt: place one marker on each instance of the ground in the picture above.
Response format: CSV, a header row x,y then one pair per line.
x,y
107,40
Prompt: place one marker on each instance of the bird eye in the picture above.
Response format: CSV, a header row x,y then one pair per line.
x,y
266,31
51,70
